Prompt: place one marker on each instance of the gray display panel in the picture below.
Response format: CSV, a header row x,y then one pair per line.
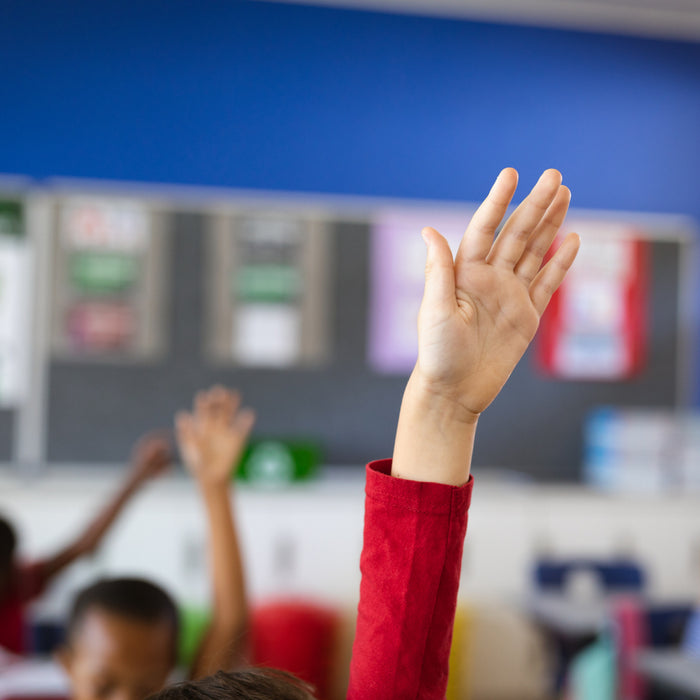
x,y
96,411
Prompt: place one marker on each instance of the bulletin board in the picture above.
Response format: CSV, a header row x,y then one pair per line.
x,y
96,410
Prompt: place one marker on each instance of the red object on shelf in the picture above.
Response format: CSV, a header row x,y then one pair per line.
x,y
596,325
298,637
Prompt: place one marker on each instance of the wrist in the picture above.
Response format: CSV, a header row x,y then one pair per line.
x,y
214,488
437,401
434,437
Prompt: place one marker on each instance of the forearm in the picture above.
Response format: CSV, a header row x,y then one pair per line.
x,y
228,585
434,437
225,643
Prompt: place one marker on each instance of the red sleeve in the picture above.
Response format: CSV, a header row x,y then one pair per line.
x,y
411,562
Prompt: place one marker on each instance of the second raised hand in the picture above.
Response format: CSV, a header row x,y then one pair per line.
x,y
481,310
213,436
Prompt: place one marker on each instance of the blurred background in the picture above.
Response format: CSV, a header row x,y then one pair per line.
x,y
199,193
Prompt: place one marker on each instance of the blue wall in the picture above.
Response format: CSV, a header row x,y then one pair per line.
x,y
260,95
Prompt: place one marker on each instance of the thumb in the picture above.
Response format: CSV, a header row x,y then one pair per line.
x,y
439,290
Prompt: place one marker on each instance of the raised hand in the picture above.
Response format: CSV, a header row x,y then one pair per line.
x,y
211,440
151,457
213,436
480,312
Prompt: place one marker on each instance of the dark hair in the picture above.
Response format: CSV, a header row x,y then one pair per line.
x,y
133,598
8,542
248,684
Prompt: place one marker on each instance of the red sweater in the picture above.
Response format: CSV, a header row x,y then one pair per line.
x,y
411,562
26,583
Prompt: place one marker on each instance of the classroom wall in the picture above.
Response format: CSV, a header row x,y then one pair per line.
x,y
260,95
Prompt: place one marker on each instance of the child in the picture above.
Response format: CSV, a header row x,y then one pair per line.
x,y
479,313
121,640
122,634
22,583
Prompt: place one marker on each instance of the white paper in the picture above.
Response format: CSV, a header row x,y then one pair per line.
x,y
105,224
267,335
14,320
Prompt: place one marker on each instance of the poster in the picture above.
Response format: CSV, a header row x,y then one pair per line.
x,y
267,285
108,280
15,304
596,325
269,297
397,272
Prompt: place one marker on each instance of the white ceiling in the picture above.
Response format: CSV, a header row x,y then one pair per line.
x,y
677,19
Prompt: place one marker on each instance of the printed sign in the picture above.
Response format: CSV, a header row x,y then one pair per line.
x,y
109,269
595,327
268,300
105,225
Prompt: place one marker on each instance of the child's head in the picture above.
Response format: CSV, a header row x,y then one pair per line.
x,y
8,542
249,684
121,640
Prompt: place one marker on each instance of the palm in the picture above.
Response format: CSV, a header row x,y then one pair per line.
x,y
480,312
214,451
497,311
213,437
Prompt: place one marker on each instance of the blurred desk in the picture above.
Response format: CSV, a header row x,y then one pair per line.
x,y
33,679
571,622
567,616
671,670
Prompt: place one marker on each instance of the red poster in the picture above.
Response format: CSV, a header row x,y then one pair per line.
x,y
596,326
101,326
